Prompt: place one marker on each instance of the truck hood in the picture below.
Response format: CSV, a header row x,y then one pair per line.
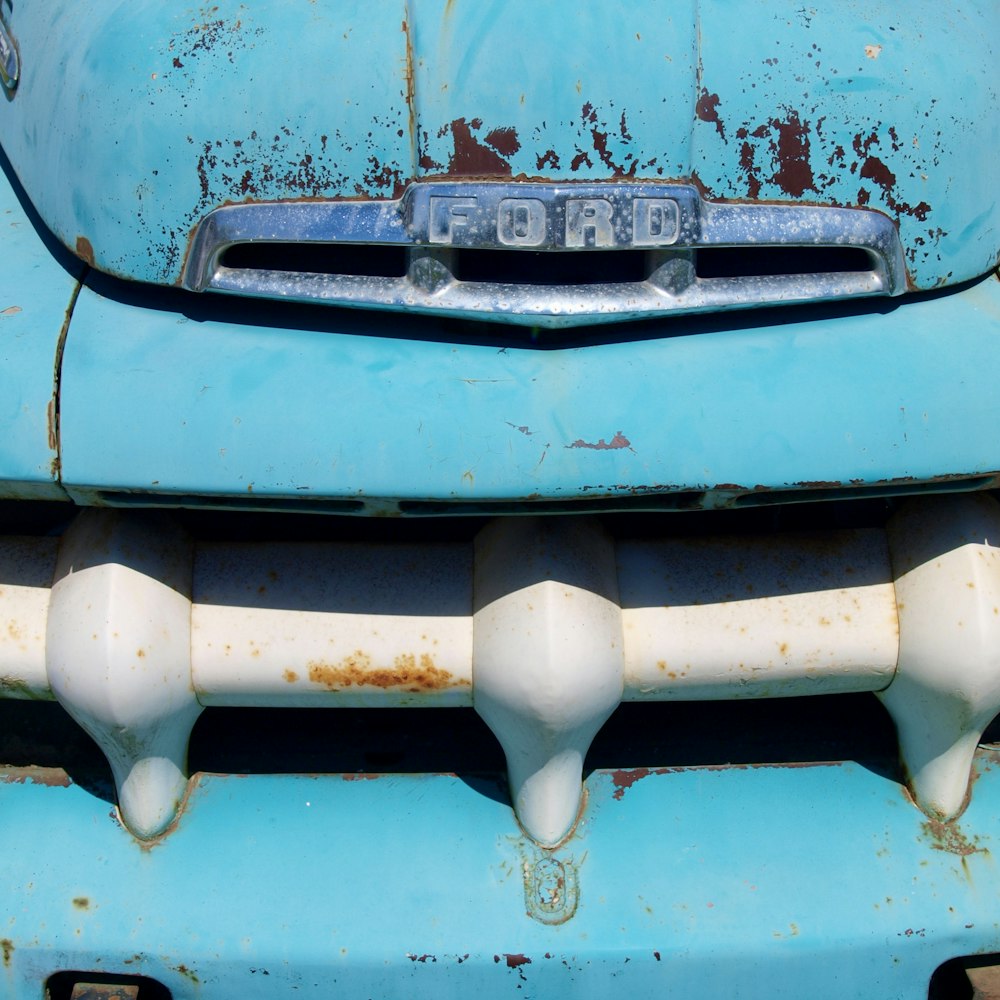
x,y
132,121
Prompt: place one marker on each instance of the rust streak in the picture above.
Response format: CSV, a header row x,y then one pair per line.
x,y
7,947
415,673
411,92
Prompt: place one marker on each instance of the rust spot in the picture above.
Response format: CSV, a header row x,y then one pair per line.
x,y
187,973
470,156
707,110
618,441
783,648
504,141
949,837
7,947
625,779
140,653
579,160
873,51
408,671
81,903
516,961
84,250
291,676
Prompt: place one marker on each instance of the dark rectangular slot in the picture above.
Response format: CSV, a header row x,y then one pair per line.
x,y
531,267
744,262
358,260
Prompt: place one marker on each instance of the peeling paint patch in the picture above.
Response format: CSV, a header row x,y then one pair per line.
x,y
618,441
470,156
873,51
707,110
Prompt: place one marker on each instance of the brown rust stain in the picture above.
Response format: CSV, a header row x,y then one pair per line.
x,y
81,903
470,156
52,425
84,250
618,441
949,837
410,671
707,110
291,676
7,947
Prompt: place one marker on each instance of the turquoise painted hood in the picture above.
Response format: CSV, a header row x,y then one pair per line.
x,y
131,121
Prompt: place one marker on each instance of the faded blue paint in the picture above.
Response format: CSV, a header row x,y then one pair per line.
x,y
36,290
167,400
133,120
754,882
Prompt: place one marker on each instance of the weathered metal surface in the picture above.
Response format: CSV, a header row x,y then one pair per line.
x,y
245,412
854,105
823,861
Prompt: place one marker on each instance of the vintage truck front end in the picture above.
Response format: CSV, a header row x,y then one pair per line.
x,y
499,498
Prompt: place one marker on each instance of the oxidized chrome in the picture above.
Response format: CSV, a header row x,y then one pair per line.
x,y
436,220
10,64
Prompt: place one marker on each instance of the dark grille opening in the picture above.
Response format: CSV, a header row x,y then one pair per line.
x,y
742,262
61,985
530,267
358,260
40,743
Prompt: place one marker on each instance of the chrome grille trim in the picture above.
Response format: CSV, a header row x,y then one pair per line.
x,y
437,222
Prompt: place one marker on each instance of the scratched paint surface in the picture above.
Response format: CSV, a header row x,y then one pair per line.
x,y
133,120
36,291
257,410
421,885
